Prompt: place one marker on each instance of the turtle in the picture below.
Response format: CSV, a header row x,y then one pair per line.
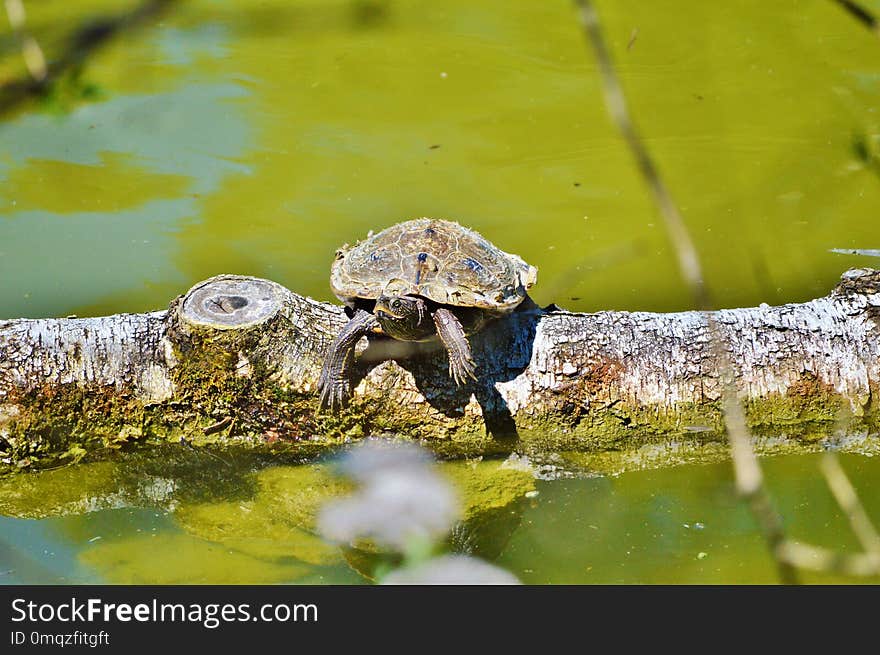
x,y
420,280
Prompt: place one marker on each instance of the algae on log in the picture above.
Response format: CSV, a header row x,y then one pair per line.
x,y
235,361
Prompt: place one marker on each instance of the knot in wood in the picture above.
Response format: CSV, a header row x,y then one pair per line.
x,y
229,302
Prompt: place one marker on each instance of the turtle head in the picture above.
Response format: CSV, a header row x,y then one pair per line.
x,y
404,317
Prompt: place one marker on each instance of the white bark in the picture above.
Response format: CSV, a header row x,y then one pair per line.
x,y
550,369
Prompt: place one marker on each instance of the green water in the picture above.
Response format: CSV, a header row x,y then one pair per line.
x,y
210,523
256,137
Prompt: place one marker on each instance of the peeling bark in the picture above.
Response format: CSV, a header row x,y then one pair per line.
x,y
236,359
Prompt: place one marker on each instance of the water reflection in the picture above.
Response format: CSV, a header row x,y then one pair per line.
x,y
681,524
177,516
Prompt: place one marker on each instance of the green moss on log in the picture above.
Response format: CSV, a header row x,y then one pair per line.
x,y
57,423
215,404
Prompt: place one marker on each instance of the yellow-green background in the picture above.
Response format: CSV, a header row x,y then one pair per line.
x,y
256,137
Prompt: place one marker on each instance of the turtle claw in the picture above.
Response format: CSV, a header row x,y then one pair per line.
x,y
334,389
334,394
334,385
462,370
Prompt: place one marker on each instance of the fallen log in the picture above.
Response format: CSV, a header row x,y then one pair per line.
x,y
235,361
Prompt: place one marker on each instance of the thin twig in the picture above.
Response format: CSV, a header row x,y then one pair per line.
x,y
84,42
822,560
861,14
865,252
846,496
788,555
748,472
688,260
750,484
34,60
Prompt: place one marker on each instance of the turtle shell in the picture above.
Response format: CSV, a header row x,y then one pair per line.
x,y
439,260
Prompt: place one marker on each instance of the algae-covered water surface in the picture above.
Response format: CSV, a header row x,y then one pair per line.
x,y
189,519
256,137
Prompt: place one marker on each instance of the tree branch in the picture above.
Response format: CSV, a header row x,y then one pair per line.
x,y
251,350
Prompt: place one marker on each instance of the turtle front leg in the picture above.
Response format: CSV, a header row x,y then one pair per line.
x,y
334,385
461,363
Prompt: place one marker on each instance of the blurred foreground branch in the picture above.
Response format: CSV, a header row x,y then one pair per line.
x,y
85,41
615,100
861,14
31,52
846,496
788,555
823,560
750,486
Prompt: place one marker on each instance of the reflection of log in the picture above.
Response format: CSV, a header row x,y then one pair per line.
x,y
236,359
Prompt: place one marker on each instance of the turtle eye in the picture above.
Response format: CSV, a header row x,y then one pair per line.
x,y
395,304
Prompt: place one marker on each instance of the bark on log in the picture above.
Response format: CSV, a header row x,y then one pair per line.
x,y
235,360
